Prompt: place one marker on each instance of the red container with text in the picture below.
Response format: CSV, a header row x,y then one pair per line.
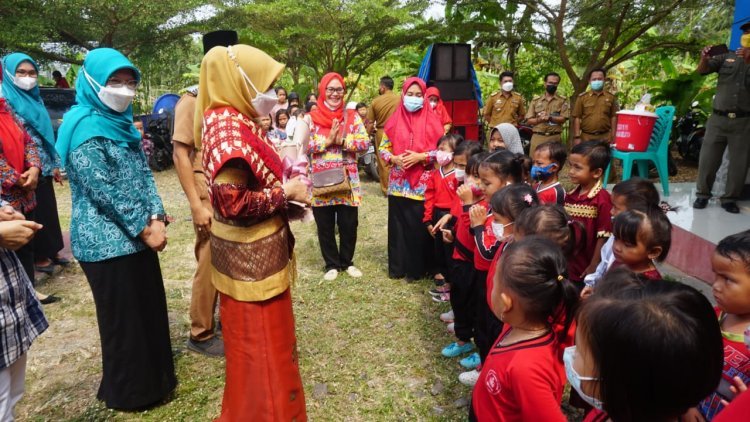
x,y
634,130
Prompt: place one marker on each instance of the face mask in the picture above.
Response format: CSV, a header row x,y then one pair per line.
x,y
542,173
498,229
476,190
118,99
508,86
25,82
575,379
745,40
551,88
263,102
413,103
444,157
597,85
433,104
460,175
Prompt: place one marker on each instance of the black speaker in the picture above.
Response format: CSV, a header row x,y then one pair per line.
x,y
454,90
451,62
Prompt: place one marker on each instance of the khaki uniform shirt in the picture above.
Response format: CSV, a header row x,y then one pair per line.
x,y
556,105
596,109
184,116
382,107
732,92
502,109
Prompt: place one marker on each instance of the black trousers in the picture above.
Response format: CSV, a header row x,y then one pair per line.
x,y
441,251
463,298
488,326
48,241
25,254
131,309
347,218
409,244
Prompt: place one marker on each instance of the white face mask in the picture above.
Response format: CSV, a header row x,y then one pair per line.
x,y
118,99
263,102
26,83
575,380
460,174
433,104
508,86
498,229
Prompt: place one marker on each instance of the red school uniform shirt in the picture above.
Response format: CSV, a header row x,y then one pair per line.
x,y
736,364
486,244
521,382
553,194
593,210
440,192
493,268
463,243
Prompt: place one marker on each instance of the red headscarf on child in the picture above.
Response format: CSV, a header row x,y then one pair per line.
x,y
323,117
11,136
418,131
440,110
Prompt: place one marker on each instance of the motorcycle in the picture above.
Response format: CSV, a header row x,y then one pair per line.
x,y
690,131
369,163
526,132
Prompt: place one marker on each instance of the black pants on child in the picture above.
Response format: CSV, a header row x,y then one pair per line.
x,y
463,298
347,218
409,244
488,327
442,251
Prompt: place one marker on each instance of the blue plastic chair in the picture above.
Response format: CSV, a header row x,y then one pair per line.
x,y
657,152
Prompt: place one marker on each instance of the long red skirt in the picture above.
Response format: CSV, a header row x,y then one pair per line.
x,y
262,367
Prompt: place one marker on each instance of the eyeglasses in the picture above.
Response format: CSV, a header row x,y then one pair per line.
x,y
335,90
118,83
32,73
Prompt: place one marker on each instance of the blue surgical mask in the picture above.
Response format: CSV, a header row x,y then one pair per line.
x,y
597,85
542,173
413,103
575,380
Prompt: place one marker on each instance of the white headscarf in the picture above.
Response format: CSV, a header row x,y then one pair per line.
x,y
511,137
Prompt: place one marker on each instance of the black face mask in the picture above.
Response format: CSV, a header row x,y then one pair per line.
x,y
551,88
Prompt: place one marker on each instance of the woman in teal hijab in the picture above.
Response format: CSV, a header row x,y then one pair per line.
x,y
117,226
22,94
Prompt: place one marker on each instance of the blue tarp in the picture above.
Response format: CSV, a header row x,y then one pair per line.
x,y
424,74
741,16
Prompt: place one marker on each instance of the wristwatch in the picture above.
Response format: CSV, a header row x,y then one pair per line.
x,y
159,217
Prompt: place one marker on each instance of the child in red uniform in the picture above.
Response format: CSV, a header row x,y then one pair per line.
x,y
640,239
646,351
523,377
731,288
500,169
590,204
439,195
456,229
549,159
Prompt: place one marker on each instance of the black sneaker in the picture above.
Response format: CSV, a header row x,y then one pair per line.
x,y
700,203
213,347
731,207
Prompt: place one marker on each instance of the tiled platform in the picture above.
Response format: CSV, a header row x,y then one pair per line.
x,y
696,232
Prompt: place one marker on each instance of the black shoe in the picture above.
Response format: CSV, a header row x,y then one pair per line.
x,y
213,347
700,203
731,207
49,299
47,269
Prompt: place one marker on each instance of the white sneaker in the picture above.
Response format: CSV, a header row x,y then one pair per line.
x,y
354,271
447,316
452,328
331,275
469,378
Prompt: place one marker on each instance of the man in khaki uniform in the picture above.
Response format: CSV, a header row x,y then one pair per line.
x,y
595,112
547,113
189,166
505,106
380,110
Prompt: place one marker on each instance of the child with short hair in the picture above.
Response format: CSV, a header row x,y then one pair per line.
x,y
439,196
549,159
589,204
641,238
644,353
731,288
523,377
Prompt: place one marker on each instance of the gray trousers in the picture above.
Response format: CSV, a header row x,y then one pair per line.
x,y
721,133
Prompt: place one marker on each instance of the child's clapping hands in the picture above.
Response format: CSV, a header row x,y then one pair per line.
x,y
478,215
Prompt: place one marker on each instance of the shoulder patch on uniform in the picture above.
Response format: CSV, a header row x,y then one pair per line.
x,y
583,93
494,93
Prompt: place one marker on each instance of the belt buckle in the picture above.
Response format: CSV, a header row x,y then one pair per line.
x,y
732,115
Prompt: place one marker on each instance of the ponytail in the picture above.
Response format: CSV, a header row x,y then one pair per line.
x,y
506,165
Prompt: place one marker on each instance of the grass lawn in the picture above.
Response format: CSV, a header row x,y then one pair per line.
x,y
369,348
